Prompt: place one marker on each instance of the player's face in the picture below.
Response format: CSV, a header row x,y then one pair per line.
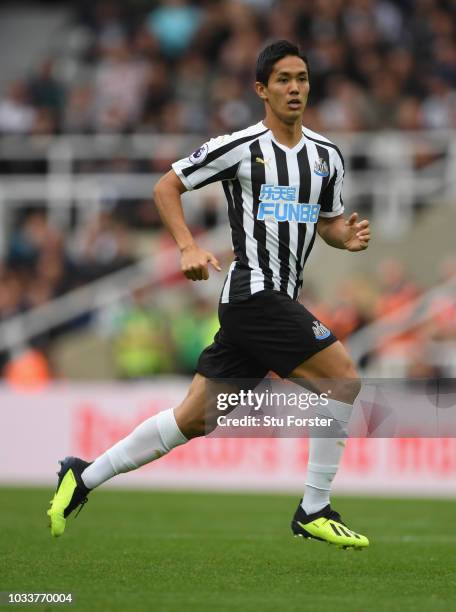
x,y
287,89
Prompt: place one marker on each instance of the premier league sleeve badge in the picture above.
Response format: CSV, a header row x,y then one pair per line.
x,y
198,156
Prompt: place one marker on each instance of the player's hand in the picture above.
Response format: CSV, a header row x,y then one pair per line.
x,y
357,233
194,262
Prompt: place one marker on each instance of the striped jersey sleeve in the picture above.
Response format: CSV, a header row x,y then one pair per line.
x,y
217,159
331,201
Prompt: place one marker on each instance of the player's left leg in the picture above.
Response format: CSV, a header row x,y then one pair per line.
x,y
152,439
156,436
330,369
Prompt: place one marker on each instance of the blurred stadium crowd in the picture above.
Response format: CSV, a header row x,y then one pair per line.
x,y
180,66
186,67
149,334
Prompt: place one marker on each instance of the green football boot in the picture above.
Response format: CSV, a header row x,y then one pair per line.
x,y
327,526
71,492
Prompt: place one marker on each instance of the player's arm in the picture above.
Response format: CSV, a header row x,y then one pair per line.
x,y
341,233
194,260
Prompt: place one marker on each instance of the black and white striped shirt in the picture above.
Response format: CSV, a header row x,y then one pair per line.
x,y
275,195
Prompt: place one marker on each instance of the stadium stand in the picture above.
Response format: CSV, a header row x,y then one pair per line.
x,y
85,133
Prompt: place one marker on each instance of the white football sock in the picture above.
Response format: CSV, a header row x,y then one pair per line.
x,y
324,458
149,441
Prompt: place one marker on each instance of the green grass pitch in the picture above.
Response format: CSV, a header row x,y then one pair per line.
x,y
157,551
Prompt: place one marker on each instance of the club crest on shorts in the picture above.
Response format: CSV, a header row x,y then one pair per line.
x,y
321,167
320,331
198,156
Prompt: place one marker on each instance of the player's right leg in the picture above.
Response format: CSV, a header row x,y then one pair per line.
x,y
332,371
152,439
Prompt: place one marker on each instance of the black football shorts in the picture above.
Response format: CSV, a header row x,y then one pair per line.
x,y
268,331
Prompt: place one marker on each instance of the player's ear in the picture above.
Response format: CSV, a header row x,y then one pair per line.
x,y
260,88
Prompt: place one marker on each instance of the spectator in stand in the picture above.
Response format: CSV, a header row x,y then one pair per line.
x,y
409,115
400,63
243,43
353,308
346,107
29,371
174,23
191,90
34,236
157,96
119,88
384,100
78,115
397,289
104,247
193,328
106,20
445,59
231,112
45,90
17,115
140,338
439,106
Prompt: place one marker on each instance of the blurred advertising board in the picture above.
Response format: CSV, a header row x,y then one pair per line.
x,y
37,429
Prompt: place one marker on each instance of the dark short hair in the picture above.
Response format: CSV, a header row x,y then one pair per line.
x,y
272,54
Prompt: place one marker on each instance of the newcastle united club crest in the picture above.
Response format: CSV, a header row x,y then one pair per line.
x,y
320,331
321,167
